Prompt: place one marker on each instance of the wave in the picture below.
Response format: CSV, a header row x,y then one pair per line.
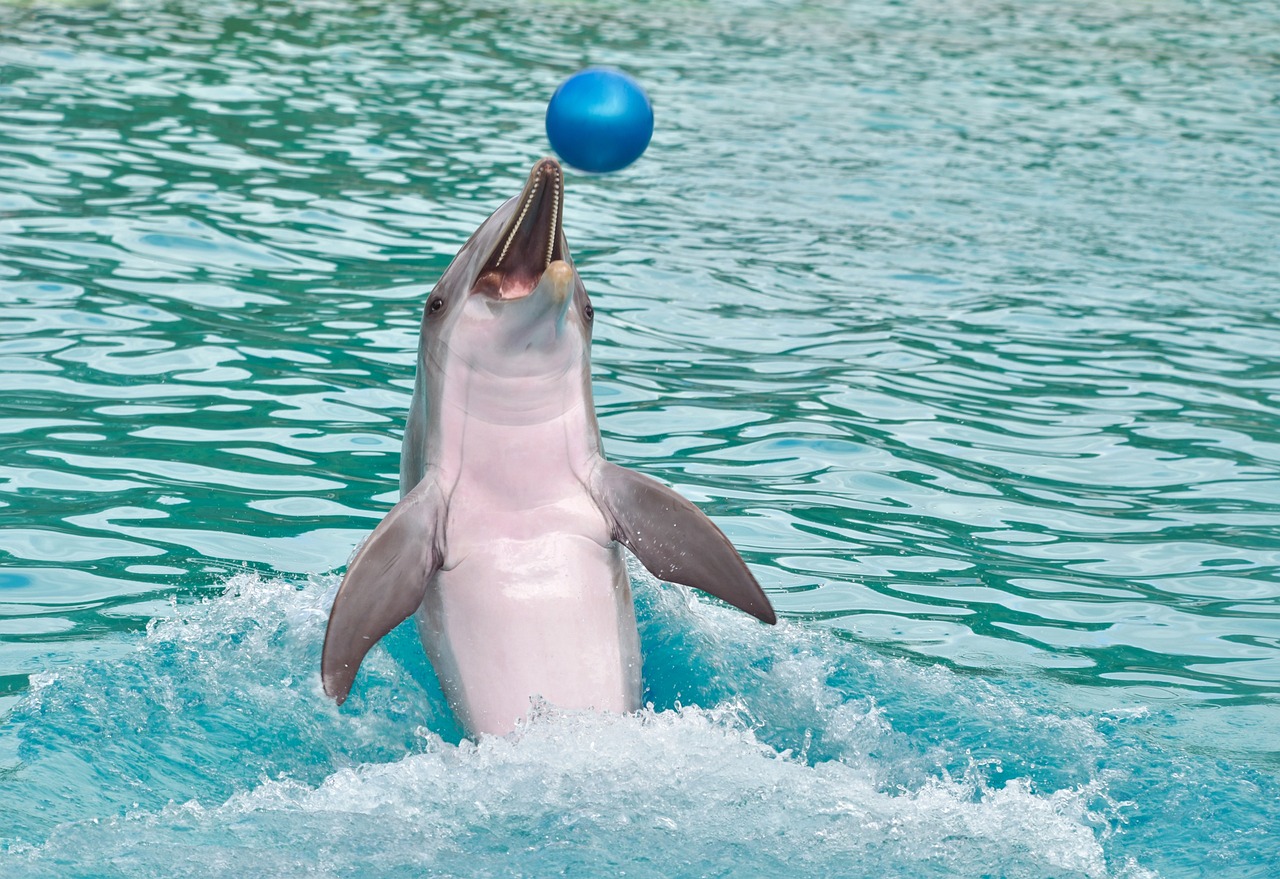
x,y
210,749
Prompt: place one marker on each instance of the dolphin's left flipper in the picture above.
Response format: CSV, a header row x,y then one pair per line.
x,y
384,585
675,540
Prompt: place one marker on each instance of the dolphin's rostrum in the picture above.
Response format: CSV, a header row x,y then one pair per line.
x,y
506,542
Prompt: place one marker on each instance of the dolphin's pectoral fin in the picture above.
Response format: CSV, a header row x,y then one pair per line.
x,y
384,585
675,540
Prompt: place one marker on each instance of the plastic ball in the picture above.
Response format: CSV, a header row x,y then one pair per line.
x,y
599,120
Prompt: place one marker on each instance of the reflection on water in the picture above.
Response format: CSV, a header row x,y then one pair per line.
x,y
960,320
968,346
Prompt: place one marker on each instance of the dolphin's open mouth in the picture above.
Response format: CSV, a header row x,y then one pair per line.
x,y
531,241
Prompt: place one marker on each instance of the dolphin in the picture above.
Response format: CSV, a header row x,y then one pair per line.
x,y
506,543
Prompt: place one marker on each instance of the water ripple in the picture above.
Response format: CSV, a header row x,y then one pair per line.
x,y
961,321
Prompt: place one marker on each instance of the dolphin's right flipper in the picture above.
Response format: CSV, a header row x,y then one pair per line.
x,y
384,585
675,540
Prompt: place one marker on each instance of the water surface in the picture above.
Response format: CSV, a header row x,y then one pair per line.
x,y
960,320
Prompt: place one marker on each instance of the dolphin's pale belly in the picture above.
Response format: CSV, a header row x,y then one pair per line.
x,y
518,620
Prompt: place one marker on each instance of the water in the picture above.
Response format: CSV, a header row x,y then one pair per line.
x,y
961,321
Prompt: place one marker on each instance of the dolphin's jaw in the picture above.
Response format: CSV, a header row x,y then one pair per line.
x,y
532,240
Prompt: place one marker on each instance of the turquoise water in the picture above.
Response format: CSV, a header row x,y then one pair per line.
x,y
961,319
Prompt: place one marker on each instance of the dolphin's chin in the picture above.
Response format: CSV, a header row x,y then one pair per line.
x,y
532,240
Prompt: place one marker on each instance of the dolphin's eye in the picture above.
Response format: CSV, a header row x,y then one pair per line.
x,y
589,312
435,305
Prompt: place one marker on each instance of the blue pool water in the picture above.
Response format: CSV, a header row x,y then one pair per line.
x,y
960,319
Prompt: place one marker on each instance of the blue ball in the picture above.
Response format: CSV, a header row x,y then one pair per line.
x,y
599,120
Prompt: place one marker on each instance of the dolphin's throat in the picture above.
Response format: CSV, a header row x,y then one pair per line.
x,y
531,241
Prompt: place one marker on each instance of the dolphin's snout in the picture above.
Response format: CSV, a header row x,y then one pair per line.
x,y
532,240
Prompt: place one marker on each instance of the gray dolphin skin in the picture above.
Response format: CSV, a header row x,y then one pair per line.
x,y
506,543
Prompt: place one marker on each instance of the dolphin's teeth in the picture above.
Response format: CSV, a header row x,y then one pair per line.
x,y
515,227
555,222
